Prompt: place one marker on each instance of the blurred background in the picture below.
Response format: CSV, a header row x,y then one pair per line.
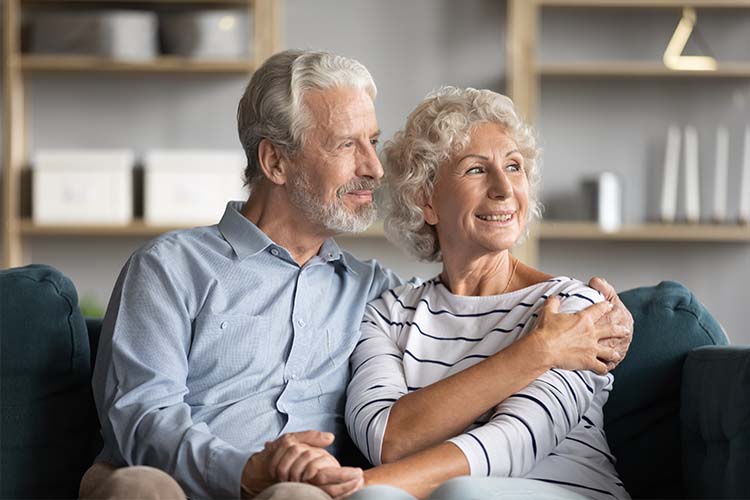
x,y
592,76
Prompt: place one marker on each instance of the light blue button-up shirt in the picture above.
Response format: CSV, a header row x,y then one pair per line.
x,y
215,341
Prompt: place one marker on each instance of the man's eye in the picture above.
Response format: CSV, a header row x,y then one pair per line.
x,y
475,170
347,144
374,142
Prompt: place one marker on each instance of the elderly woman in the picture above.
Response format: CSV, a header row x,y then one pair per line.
x,y
463,181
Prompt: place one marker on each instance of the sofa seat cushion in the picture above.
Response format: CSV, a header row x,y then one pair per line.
x,y
715,416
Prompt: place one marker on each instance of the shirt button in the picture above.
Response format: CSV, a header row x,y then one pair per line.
x,y
223,325
330,255
274,252
301,322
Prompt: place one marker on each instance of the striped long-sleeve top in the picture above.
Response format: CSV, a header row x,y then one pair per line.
x,y
552,430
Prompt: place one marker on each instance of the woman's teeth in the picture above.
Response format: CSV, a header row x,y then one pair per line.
x,y
502,218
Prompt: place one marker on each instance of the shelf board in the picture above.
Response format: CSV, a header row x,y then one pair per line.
x,y
140,228
552,230
135,228
160,65
168,2
647,3
637,69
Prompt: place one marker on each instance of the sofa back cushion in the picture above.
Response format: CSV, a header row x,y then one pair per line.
x,y
48,416
642,416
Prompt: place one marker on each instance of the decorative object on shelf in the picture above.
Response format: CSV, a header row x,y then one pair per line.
x,y
720,175
745,182
692,176
671,174
125,35
207,34
190,186
604,197
82,187
673,58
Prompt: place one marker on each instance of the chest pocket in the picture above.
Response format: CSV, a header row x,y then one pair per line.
x,y
227,351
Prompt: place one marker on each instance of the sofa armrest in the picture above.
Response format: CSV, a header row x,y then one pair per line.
x,y
715,418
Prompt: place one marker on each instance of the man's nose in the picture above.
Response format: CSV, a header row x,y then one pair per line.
x,y
368,164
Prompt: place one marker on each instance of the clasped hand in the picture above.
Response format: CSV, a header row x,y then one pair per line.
x,y
300,457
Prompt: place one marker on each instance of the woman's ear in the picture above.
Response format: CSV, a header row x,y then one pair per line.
x,y
272,162
428,211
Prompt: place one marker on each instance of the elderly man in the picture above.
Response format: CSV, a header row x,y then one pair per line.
x,y
221,368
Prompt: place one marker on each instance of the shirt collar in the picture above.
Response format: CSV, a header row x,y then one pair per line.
x,y
247,239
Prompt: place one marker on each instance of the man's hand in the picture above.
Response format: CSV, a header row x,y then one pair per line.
x,y
618,319
300,457
572,341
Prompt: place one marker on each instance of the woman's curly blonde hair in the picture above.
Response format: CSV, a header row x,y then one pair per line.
x,y
435,131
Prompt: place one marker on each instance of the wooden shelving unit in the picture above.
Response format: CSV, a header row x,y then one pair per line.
x,y
553,230
654,232
636,69
524,75
19,67
39,63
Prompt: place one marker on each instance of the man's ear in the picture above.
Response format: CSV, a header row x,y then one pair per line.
x,y
272,162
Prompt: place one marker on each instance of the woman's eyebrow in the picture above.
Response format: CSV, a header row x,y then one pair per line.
x,y
485,158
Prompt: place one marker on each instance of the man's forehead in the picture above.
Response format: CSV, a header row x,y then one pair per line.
x,y
340,105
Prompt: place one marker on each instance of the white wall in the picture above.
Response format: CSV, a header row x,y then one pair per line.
x,y
412,47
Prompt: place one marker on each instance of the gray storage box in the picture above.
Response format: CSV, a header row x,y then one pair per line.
x,y
116,34
207,34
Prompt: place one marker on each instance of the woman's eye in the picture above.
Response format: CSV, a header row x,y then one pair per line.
x,y
514,167
475,170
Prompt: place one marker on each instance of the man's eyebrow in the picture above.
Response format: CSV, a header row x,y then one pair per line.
x,y
376,134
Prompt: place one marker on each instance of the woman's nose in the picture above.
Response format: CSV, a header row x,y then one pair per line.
x,y
500,186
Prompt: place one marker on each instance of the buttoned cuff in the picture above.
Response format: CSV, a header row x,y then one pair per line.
x,y
225,466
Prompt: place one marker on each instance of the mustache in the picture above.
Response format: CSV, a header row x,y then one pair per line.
x,y
360,184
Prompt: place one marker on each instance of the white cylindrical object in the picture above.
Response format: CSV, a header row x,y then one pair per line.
x,y
610,202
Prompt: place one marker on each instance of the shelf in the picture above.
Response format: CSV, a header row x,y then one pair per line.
x,y
135,228
646,232
719,4
159,65
140,228
637,69
136,2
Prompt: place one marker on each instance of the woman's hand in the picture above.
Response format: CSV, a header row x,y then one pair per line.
x,y
572,341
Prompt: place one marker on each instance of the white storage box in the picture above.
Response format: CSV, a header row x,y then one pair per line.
x,y
190,187
207,34
83,187
127,35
